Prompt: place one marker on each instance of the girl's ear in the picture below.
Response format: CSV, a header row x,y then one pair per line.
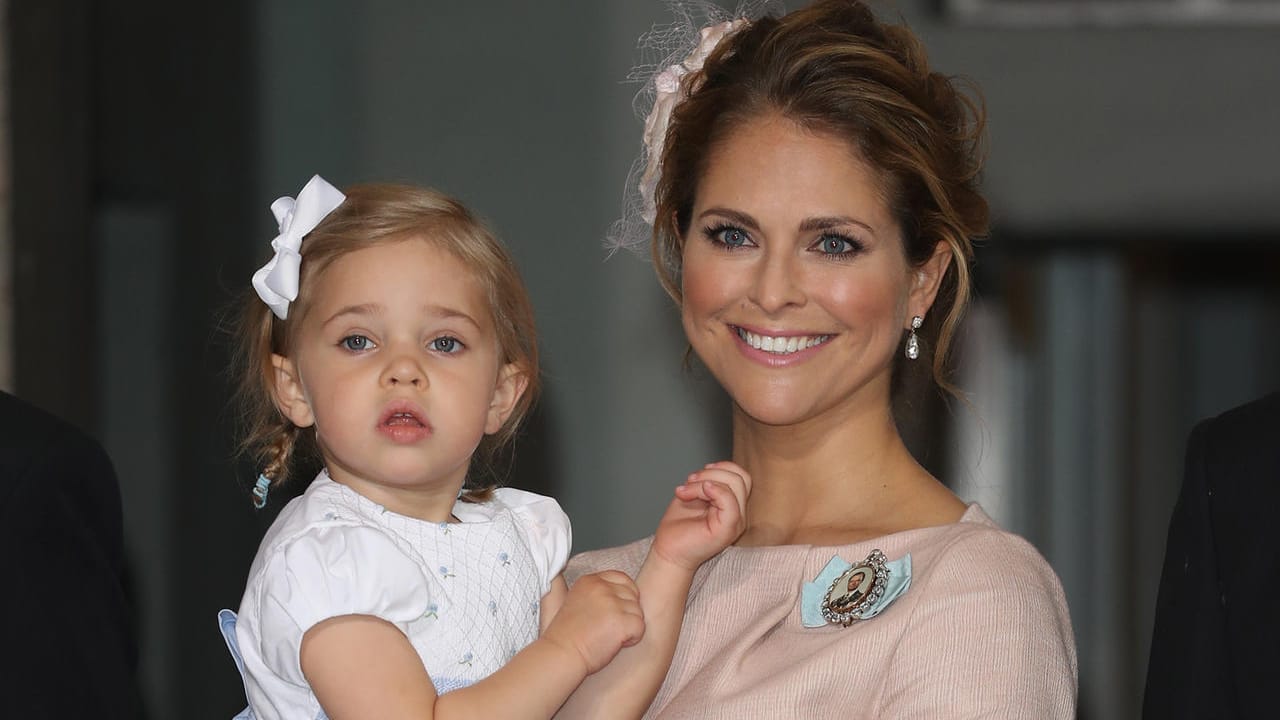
x,y
512,382
927,279
290,396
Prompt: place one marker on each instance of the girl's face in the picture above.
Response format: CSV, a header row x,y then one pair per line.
x,y
796,290
398,367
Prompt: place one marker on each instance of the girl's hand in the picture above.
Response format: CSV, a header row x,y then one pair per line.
x,y
600,616
707,514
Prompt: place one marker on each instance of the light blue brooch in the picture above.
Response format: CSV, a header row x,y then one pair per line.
x,y
844,593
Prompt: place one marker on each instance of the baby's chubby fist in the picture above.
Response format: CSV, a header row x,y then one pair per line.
x,y
600,616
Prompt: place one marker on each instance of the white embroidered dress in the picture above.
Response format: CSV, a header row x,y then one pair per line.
x,y
466,594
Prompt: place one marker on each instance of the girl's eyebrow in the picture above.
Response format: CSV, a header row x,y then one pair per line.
x,y
441,311
363,309
444,311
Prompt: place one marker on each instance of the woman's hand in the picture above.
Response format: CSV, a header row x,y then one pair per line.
x,y
707,514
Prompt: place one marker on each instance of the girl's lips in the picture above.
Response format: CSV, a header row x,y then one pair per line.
x,y
404,422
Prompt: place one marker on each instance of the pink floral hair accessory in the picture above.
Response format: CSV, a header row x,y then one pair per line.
x,y
670,90
670,55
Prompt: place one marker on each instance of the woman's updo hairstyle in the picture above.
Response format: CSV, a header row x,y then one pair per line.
x,y
834,68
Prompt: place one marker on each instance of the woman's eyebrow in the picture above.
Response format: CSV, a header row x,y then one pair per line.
x,y
815,224
738,217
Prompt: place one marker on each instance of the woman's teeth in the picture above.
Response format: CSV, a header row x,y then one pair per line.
x,y
781,345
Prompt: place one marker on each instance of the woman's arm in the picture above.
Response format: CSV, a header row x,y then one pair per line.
x,y
360,666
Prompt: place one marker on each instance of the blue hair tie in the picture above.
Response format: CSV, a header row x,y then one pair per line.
x,y
260,491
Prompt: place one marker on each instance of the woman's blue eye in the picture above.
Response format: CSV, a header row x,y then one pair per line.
x,y
836,245
733,237
356,343
446,344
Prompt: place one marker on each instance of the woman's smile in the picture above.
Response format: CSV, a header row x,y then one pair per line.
x,y
779,347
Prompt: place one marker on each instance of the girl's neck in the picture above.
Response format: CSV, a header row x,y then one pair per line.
x,y
430,503
834,482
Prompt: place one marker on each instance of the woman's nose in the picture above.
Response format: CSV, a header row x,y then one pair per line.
x,y
777,284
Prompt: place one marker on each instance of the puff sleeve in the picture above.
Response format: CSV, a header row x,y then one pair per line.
x,y
546,530
330,572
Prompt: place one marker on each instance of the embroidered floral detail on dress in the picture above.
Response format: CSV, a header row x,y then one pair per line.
x,y
504,558
444,572
466,660
433,611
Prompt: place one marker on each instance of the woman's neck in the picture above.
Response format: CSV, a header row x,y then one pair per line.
x,y
834,482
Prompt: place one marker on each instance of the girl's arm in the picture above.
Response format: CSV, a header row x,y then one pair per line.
x,y
360,666
706,516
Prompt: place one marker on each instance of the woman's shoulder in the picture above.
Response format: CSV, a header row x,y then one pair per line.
x,y
976,551
626,558
1015,618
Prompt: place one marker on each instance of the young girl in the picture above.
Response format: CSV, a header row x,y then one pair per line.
x,y
392,335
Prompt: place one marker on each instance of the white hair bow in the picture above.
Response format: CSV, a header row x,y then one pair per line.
x,y
277,281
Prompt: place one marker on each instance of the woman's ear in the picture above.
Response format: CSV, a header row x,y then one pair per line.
x,y
290,396
927,278
512,382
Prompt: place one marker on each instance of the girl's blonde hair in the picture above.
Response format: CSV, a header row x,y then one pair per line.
x,y
377,214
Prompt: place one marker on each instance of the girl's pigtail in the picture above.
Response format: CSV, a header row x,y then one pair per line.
x,y
277,455
276,458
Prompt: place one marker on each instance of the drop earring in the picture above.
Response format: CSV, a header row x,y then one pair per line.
x,y
913,340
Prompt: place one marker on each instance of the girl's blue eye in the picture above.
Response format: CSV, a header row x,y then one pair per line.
x,y
356,343
446,344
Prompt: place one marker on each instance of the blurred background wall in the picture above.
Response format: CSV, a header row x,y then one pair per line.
x,y
1128,289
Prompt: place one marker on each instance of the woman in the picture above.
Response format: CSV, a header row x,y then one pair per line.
x,y
814,200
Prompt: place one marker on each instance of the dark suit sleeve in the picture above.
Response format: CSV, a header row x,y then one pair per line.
x,y
1215,652
1189,672
69,649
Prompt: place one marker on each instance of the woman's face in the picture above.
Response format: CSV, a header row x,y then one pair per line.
x,y
796,290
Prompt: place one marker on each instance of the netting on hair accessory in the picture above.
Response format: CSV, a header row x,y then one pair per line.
x,y
668,55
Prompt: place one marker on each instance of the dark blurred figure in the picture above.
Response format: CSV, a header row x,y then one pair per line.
x,y
66,642
1216,648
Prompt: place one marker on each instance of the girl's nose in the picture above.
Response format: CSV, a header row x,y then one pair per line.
x,y
404,370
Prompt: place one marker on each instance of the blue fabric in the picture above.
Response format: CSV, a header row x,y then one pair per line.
x,y
227,625
812,594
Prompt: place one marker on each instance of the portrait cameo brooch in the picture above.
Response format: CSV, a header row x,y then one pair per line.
x,y
845,593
